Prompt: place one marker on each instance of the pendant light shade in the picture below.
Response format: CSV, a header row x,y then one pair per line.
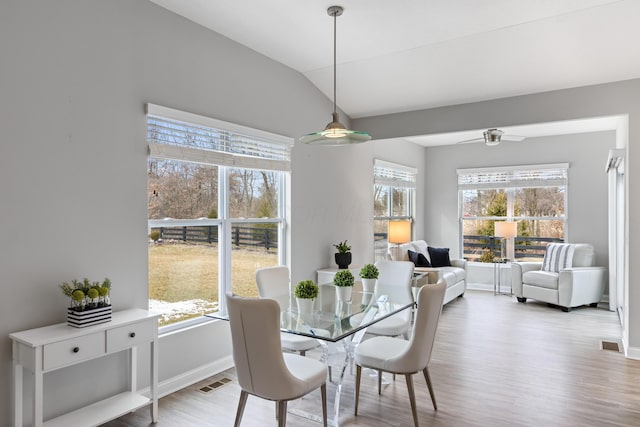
x,y
335,133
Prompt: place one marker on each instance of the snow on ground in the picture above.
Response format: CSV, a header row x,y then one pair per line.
x,y
171,311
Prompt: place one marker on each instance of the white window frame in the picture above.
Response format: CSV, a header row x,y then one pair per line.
x,y
509,178
395,176
250,144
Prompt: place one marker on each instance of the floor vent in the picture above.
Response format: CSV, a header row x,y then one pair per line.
x,y
214,385
610,345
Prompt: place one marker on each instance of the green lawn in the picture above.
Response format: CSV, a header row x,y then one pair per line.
x,y
188,273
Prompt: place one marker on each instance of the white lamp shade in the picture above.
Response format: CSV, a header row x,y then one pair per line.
x,y
399,232
505,229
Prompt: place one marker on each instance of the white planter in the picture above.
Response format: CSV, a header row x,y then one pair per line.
x,y
305,305
343,293
369,285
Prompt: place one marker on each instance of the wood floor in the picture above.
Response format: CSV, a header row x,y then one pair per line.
x,y
496,362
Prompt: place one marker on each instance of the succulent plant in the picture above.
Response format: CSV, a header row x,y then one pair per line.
x,y
343,278
306,289
369,271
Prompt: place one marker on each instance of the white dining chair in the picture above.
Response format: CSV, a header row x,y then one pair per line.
x,y
273,283
263,369
398,356
395,275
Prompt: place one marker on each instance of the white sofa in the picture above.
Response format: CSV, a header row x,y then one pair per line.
x,y
455,276
571,287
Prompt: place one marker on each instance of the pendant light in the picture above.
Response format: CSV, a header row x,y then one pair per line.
x,y
335,133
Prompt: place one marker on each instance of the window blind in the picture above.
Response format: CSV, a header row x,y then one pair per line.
x,y
394,175
177,135
514,176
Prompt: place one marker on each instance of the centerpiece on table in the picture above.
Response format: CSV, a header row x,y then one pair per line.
x,y
90,303
343,280
369,275
306,292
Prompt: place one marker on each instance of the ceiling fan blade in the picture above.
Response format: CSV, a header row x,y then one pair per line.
x,y
513,138
468,141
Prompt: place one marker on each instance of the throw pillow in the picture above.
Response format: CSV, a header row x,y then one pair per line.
x,y
558,256
439,257
418,259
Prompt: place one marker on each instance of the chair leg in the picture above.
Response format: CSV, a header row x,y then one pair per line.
x,y
412,398
241,403
358,375
323,391
282,413
428,379
379,382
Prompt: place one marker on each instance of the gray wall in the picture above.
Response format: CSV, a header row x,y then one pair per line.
x,y
587,190
619,98
75,78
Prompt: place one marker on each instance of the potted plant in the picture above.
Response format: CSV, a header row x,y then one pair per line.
x,y
89,303
369,275
306,291
343,256
343,280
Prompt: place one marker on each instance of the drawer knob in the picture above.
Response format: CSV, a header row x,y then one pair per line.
x,y
132,334
76,349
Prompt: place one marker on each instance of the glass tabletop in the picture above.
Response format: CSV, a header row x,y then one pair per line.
x,y
332,320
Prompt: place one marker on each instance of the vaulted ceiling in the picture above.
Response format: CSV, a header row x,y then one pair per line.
x,y
414,54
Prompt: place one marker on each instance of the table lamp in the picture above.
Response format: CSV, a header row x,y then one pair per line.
x,y
505,230
399,232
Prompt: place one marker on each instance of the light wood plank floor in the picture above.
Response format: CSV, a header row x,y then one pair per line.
x,y
496,362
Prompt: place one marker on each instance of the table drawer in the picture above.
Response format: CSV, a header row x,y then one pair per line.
x,y
127,336
73,350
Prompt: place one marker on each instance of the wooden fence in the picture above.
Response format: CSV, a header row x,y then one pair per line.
x,y
264,236
524,247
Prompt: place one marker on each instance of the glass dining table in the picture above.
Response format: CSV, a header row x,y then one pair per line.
x,y
341,322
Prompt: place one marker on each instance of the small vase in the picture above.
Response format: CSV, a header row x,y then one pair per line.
x,y
305,305
343,260
369,285
343,293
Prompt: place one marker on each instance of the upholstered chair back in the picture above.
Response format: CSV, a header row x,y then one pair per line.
x,y
584,255
418,354
395,273
273,283
257,354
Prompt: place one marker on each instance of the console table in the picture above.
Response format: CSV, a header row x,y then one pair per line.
x,y
58,346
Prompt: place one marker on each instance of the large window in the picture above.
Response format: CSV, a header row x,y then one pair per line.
x,y
533,196
393,198
216,212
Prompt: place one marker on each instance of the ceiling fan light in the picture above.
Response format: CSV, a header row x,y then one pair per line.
x,y
492,137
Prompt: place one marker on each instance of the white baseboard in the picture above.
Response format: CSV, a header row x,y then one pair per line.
x,y
632,353
479,286
186,379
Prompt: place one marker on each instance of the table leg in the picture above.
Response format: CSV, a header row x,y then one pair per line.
x,y
38,390
17,393
348,357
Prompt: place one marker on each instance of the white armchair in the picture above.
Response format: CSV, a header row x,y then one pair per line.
x,y
581,284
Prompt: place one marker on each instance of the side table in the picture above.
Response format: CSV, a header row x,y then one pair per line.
x,y
498,263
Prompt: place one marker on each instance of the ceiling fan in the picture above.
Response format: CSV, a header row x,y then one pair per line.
x,y
493,137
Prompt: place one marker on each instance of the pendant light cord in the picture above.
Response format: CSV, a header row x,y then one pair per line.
x,y
334,61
